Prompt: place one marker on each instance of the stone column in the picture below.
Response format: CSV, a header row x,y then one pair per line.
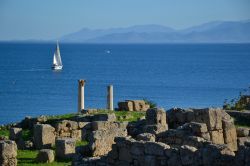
x,y
110,105
81,84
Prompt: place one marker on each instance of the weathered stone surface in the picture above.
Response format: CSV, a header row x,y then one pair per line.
x,y
105,117
212,118
146,137
155,129
187,154
65,148
242,131
133,105
229,132
125,106
156,116
217,136
177,117
66,125
8,153
15,134
44,136
140,105
242,140
198,128
155,148
45,156
217,155
103,134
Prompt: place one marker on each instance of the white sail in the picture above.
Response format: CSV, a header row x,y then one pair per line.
x,y
57,61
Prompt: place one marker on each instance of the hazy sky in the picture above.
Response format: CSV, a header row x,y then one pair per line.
x,y
46,19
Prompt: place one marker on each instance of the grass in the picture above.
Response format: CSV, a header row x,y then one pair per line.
x,y
122,116
81,143
64,116
28,158
4,132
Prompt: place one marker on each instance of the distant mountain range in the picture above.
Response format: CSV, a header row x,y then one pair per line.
x,y
212,32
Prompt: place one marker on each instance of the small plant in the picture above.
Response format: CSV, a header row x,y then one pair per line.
x,y
242,102
151,103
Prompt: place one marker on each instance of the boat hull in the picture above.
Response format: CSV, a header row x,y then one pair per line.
x,y
56,67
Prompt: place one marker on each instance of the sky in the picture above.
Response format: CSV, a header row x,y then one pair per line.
x,y
50,19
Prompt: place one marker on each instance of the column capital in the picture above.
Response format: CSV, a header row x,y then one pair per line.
x,y
82,82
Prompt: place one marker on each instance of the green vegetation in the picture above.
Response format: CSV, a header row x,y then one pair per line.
x,y
64,116
242,102
122,116
27,135
28,158
151,103
81,143
5,133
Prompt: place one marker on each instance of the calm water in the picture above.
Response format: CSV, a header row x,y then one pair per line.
x,y
171,75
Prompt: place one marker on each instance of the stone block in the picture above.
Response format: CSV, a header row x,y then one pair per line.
x,y
44,136
125,106
105,117
140,105
137,148
76,134
155,129
146,137
229,133
65,148
66,126
156,116
212,118
45,156
8,153
242,131
155,148
198,127
187,154
15,134
217,136
242,140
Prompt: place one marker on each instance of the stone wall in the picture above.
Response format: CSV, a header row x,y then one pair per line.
x,y
127,151
8,153
133,105
102,136
220,126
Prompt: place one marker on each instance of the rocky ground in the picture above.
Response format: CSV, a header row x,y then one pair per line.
x,y
141,137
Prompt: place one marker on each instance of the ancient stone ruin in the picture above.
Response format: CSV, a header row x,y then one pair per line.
x,y
177,137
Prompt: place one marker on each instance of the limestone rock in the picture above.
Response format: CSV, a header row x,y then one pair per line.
x,y
125,106
212,118
45,156
217,136
8,153
242,140
105,117
44,136
187,154
146,137
229,132
140,105
65,148
155,148
156,116
242,131
198,127
15,134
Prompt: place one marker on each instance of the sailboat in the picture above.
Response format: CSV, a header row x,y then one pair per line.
x,y
57,61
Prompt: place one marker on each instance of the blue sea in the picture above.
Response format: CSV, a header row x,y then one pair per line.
x,y
172,75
